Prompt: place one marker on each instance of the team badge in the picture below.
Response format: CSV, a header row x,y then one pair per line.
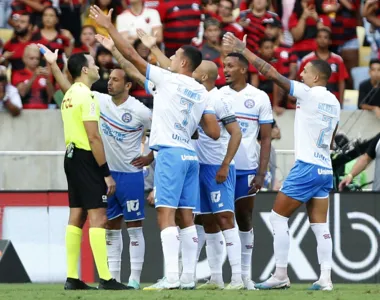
x,y
249,103
127,117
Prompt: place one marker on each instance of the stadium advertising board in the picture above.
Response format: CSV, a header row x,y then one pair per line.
x,y
35,223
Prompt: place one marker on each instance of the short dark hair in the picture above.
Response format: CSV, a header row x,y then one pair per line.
x,y
90,27
322,67
126,77
374,61
264,40
326,30
75,64
240,57
194,55
231,2
211,22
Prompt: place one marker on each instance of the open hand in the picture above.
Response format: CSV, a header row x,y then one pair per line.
x,y
232,43
106,42
148,40
99,16
51,57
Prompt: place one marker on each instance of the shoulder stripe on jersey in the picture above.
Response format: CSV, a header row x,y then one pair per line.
x,y
211,112
248,115
291,88
125,127
117,127
266,122
147,72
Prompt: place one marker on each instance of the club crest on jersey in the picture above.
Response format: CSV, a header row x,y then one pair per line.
x,y
127,117
249,103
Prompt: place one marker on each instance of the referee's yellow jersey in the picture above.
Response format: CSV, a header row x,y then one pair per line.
x,y
78,105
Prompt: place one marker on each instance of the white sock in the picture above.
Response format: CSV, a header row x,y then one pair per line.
x,y
189,246
324,249
179,253
233,245
170,246
201,242
246,239
214,251
114,250
136,252
281,244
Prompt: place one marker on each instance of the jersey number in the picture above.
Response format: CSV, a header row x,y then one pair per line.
x,y
322,141
186,112
66,103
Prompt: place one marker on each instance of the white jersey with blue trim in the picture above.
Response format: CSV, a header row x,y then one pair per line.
x,y
209,151
317,115
179,102
252,107
122,128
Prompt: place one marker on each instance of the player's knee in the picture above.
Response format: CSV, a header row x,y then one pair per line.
x,y
134,224
98,219
209,224
276,219
77,218
225,220
244,220
115,224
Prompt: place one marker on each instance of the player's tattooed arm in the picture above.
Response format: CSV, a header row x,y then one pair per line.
x,y
232,43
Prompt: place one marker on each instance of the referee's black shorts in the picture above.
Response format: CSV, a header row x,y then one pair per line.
x,y
87,188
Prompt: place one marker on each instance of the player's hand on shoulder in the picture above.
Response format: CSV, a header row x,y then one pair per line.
x,y
111,185
222,174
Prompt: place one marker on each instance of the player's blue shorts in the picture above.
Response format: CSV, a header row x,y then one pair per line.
x,y
214,197
128,200
243,183
176,178
306,181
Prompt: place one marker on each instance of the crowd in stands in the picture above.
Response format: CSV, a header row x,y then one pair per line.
x,y
286,33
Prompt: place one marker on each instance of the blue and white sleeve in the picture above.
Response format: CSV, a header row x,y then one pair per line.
x,y
298,90
265,112
156,75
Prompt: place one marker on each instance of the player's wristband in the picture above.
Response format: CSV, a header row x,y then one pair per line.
x,y
105,170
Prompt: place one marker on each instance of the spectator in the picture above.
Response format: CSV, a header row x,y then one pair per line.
x,y
369,92
335,84
181,19
138,91
105,63
252,21
371,11
304,23
87,42
32,7
34,82
5,12
70,17
225,10
52,36
266,52
105,6
210,10
147,19
14,48
9,97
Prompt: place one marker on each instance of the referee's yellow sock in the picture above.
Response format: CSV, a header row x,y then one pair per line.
x,y
73,241
99,250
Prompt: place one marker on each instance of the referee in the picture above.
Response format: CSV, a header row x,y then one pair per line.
x,y
88,177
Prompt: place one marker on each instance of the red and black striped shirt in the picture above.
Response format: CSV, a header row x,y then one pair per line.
x,y
286,57
256,29
343,27
235,28
307,44
60,42
339,72
180,19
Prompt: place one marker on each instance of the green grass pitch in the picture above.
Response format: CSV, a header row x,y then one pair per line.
x,y
296,292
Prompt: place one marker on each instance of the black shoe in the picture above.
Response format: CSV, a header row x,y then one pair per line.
x,y
112,284
76,284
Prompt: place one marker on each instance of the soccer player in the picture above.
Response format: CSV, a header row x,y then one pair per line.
x,y
180,105
217,183
254,113
311,178
123,120
88,175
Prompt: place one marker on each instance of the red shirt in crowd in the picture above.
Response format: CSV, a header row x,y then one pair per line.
x,y
255,29
286,57
339,71
235,28
37,98
15,46
80,49
180,19
19,7
307,44
60,42
265,84
343,27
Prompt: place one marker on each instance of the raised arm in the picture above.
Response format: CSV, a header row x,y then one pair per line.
x,y
127,66
121,44
51,58
234,44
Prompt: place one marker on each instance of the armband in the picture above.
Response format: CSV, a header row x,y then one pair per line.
x,y
228,120
105,170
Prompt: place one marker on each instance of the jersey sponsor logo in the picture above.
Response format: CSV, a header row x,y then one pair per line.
x,y
249,103
321,157
179,138
215,196
127,117
42,81
118,136
325,172
189,157
133,205
243,126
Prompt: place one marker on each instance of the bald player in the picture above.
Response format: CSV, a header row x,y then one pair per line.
x,y
217,178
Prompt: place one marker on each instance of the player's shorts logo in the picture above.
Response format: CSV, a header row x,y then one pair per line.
x,y
127,117
249,103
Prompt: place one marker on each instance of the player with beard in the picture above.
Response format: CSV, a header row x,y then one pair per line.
x,y
254,113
